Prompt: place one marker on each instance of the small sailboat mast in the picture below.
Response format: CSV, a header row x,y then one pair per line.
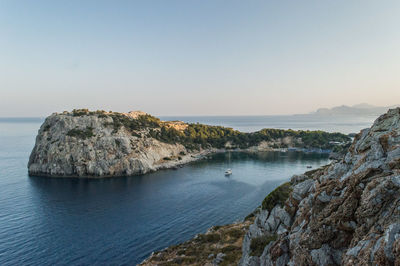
x,y
228,171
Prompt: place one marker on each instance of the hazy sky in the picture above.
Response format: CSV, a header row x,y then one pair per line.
x,y
197,57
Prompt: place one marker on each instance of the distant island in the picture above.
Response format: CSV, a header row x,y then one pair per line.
x,y
355,110
85,143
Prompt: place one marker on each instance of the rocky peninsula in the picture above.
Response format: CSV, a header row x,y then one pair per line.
x,y
345,213
94,144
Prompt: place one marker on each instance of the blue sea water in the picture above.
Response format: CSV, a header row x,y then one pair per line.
x,y
120,221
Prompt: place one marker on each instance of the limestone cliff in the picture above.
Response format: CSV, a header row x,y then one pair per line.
x,y
94,144
347,213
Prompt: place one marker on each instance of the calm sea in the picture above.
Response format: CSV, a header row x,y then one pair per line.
x,y
120,221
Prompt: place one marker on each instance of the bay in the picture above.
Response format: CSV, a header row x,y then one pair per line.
x,y
120,221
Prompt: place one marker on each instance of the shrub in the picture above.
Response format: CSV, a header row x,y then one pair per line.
x,y
211,238
258,244
141,122
46,128
80,112
231,258
118,142
277,196
235,233
252,215
82,134
230,248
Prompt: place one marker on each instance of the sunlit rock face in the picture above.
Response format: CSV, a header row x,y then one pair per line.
x,y
95,145
347,213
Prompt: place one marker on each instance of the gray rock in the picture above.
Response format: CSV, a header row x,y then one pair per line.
x,y
301,189
278,215
297,179
282,260
323,197
355,250
220,257
392,234
326,256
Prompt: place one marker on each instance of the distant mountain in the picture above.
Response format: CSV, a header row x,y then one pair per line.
x,y
358,109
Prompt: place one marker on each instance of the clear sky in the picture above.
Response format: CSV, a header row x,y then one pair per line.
x,y
197,57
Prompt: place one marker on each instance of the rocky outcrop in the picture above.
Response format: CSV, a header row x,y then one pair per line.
x,y
97,144
347,213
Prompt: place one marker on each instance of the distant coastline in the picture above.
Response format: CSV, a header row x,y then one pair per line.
x,y
94,144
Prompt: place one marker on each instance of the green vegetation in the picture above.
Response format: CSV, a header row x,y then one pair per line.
x,y
249,216
141,122
209,238
118,142
81,134
341,149
252,215
46,128
235,233
258,244
225,239
82,112
197,136
277,196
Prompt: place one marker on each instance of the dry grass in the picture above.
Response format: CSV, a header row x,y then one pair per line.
x,y
225,239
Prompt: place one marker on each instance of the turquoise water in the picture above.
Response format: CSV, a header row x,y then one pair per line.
x,y
45,221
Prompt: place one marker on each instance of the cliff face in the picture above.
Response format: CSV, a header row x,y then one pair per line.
x,y
345,213
77,145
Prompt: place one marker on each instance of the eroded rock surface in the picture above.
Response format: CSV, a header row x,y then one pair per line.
x,y
347,213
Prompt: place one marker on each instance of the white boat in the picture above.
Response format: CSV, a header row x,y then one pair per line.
x,y
228,172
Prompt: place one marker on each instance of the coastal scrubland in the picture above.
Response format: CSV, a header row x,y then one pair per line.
x,y
196,136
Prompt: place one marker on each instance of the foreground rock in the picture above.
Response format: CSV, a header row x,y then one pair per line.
x,y
347,213
105,144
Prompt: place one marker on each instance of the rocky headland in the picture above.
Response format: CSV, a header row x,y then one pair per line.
x,y
82,143
345,213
